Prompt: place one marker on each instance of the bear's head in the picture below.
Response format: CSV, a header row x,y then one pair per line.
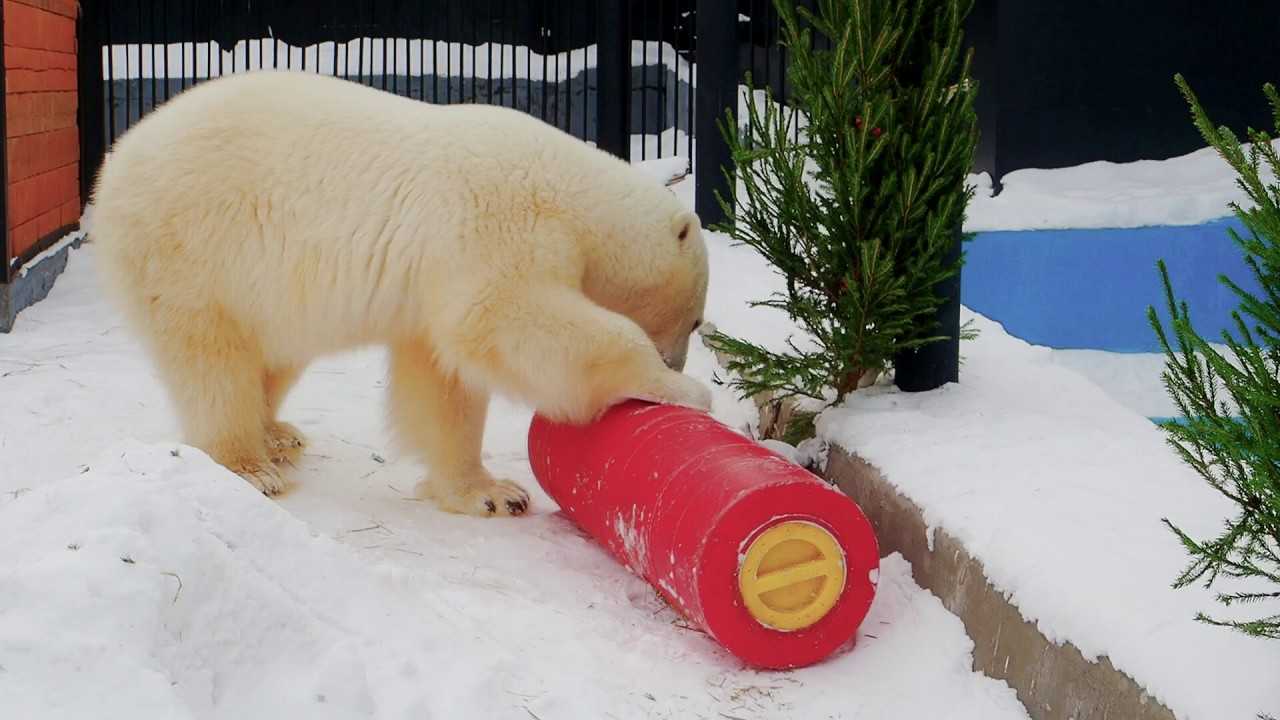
x,y
654,270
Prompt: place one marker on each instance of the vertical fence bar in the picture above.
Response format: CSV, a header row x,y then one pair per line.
x,y
589,24
475,42
334,35
164,45
151,26
716,95
488,49
691,56
422,53
553,22
449,34
528,66
644,82
208,54
498,35
182,48
570,41
613,77
544,34
111,77
663,84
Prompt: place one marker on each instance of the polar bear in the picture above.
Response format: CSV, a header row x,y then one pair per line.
x,y
258,221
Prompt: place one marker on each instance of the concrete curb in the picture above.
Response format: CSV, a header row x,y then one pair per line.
x,y
34,281
1054,682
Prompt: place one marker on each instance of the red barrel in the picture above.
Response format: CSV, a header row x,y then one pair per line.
x,y
771,561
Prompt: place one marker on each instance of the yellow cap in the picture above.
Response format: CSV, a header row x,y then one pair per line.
x,y
792,575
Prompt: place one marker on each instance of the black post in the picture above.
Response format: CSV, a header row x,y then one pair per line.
x,y
5,247
982,30
936,364
717,92
92,113
613,78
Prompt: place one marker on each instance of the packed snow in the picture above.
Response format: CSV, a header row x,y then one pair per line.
x,y
1060,491
138,579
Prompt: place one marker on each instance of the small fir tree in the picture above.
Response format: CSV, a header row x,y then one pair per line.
x,y
858,209
1229,431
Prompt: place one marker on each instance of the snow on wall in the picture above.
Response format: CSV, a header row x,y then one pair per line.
x,y
1185,190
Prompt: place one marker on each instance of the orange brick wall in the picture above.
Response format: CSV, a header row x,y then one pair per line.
x,y
43,137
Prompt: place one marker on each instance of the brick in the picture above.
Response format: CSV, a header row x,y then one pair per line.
x,y
70,212
25,156
31,155
66,8
48,222
22,81
58,33
63,146
66,183
22,238
39,112
19,58
23,199
22,25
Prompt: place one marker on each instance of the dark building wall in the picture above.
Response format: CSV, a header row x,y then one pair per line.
x,y
1093,80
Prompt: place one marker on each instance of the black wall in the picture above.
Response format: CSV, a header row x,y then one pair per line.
x,y
1084,80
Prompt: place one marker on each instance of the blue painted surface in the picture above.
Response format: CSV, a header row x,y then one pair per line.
x,y
1091,288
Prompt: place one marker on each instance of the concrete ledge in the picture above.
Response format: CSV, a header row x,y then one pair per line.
x,y
34,280
1054,682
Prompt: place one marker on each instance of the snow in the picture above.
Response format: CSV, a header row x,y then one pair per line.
x,y
1060,491
368,56
65,242
137,579
1185,190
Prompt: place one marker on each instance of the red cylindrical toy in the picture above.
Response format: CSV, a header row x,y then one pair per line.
x,y
775,564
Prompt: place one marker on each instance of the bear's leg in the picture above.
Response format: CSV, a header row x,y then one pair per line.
x,y
284,441
214,371
570,358
442,420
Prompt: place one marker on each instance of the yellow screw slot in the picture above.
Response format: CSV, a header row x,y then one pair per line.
x,y
792,575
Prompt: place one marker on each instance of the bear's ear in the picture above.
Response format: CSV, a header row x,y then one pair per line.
x,y
684,224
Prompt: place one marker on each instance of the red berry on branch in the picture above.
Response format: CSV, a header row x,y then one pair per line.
x,y
875,132
857,122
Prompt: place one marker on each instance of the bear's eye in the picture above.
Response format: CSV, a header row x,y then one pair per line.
x,y
684,234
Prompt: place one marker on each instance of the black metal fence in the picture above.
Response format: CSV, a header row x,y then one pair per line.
x,y
639,78
618,73
604,71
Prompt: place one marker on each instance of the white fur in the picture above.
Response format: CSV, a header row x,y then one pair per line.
x,y
260,220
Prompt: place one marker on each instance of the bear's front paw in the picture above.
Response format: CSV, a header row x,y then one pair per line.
x,y
678,389
484,496
284,443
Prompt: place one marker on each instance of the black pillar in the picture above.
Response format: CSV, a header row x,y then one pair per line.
x,y
717,92
931,366
5,247
89,78
613,80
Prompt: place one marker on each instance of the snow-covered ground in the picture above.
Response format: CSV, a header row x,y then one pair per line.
x,y
1060,491
139,580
